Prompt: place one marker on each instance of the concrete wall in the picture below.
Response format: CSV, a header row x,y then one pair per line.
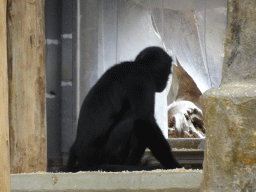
x,y
53,79
59,89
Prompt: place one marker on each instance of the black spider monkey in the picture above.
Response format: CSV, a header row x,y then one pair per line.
x,y
116,121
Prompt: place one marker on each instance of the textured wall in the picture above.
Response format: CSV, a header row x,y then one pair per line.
x,y
4,119
229,111
26,73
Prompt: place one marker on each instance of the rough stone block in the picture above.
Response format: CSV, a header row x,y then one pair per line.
x,y
230,153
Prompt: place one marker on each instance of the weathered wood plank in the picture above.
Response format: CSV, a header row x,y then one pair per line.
x,y
26,71
4,120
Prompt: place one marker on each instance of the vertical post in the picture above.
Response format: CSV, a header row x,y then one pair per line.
x,y
26,70
4,120
229,110
53,81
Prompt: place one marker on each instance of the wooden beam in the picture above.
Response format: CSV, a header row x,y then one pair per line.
x,y
4,119
26,70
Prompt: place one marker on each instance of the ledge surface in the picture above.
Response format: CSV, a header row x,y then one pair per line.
x,y
160,180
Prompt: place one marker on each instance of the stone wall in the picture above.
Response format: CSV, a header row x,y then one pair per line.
x,y
229,110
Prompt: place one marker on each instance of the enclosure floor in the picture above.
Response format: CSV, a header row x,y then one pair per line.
x,y
178,180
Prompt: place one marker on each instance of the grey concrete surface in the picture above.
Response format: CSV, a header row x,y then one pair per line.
x,y
177,180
